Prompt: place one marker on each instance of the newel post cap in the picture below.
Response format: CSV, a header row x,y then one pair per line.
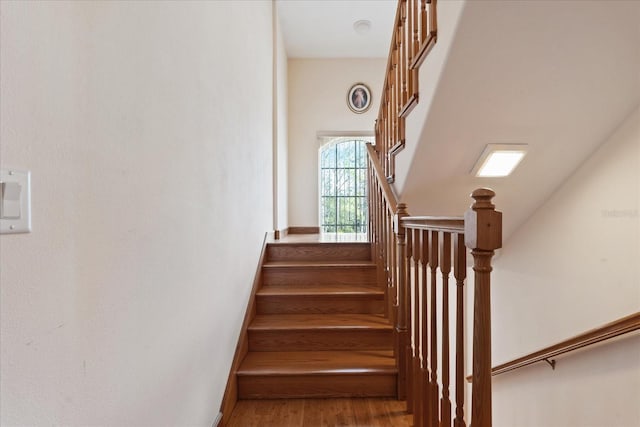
x,y
482,223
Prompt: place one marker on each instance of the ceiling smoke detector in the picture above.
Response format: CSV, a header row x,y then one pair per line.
x,y
362,26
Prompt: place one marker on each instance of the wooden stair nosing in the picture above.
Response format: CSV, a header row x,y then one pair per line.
x,y
339,290
317,374
306,276
320,243
324,386
348,264
338,321
319,300
304,340
357,362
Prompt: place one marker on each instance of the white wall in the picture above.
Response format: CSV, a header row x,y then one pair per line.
x,y
147,127
282,221
318,103
571,267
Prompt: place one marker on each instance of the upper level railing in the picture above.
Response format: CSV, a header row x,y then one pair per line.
x,y
415,257
414,34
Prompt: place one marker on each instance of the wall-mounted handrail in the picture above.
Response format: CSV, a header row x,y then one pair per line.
x,y
613,329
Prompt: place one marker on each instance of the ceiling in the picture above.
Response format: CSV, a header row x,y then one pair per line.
x,y
559,79
324,28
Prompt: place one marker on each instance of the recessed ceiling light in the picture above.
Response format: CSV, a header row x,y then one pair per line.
x,y
362,26
498,160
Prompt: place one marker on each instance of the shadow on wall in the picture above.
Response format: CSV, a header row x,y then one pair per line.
x,y
598,386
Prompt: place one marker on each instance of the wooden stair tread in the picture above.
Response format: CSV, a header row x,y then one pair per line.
x,y
319,243
319,321
319,289
319,264
317,327
318,363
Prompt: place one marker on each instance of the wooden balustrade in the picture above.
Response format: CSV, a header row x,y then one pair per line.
x,y
414,35
415,257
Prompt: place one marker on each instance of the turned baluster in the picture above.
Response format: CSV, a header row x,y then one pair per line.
x,y
433,264
401,323
394,97
402,51
415,7
416,373
390,129
460,274
410,314
398,79
423,22
425,374
392,271
393,260
409,45
483,235
382,266
384,263
433,21
415,44
370,201
445,269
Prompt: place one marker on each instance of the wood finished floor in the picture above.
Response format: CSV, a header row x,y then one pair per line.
x,y
348,412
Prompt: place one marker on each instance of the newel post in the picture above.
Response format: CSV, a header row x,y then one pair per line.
x,y
483,235
402,313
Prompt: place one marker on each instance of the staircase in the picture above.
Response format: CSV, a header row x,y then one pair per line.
x,y
319,328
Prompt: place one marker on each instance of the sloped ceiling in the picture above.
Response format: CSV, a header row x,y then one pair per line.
x,y
559,76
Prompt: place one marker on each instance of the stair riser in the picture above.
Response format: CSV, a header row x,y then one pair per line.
x,y
310,386
319,276
325,252
317,340
296,304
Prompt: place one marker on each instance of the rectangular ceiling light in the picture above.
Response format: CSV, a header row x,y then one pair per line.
x,y
498,160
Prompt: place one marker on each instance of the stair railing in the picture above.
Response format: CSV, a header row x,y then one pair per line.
x,y
415,256
414,35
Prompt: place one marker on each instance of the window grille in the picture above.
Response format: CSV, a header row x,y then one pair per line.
x,y
343,186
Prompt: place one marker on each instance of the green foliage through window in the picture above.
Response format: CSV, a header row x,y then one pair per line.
x,y
343,186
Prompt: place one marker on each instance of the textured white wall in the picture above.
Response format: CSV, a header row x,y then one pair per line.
x,y
147,127
282,118
571,267
318,103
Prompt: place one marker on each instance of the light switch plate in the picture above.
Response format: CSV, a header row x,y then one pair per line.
x,y
15,200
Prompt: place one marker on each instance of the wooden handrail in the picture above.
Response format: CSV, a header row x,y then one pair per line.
x,y
415,256
613,329
436,223
389,194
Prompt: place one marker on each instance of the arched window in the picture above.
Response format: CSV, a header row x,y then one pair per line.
x,y
343,186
